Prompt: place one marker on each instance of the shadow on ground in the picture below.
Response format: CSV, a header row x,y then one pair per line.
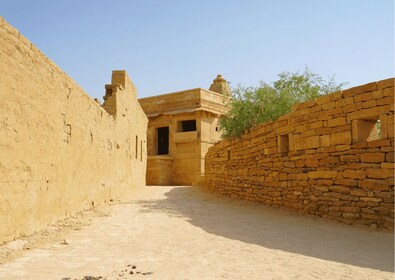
x,y
277,229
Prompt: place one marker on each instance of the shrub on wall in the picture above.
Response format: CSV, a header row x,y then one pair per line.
x,y
254,105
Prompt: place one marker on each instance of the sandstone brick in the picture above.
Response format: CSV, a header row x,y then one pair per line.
x,y
349,158
367,113
324,182
329,105
358,192
370,216
307,143
386,83
377,94
369,201
384,101
352,107
365,88
341,138
381,185
340,189
367,211
351,215
325,141
322,174
346,182
328,160
369,104
389,165
341,128
337,121
350,209
312,162
380,173
323,131
342,148
345,101
301,177
354,174
372,157
379,143
388,92
389,157
363,97
323,99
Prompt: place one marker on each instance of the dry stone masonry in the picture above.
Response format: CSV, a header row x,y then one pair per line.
x,y
332,157
61,151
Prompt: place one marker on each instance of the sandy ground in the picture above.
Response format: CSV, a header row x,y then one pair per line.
x,y
188,233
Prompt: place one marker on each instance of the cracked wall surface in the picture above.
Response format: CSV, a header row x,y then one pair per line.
x,y
61,151
332,157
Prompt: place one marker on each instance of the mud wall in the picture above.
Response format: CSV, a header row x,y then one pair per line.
x,y
60,151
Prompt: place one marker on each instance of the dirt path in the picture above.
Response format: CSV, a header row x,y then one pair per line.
x,y
188,233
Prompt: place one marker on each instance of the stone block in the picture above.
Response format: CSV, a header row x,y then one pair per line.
x,y
307,143
389,157
352,107
345,101
337,121
340,189
388,92
351,215
363,97
325,141
389,165
377,94
369,104
380,173
384,101
328,161
323,99
386,83
341,138
372,184
322,174
372,157
329,105
358,192
312,162
354,174
349,158
369,113
346,182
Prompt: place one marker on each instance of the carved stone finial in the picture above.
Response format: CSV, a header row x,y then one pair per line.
x,y
220,85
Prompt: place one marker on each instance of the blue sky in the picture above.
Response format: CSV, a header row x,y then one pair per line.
x,y
172,45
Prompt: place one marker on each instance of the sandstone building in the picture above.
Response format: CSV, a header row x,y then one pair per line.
x,y
182,126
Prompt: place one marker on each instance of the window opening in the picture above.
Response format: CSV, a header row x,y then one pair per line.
x,y
188,125
366,130
141,150
283,143
137,146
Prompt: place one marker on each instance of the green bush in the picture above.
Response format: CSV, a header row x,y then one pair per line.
x,y
254,105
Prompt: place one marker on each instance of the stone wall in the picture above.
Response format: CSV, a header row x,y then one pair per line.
x,y
323,158
61,151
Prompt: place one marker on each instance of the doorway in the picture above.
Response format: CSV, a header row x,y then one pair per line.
x,y
163,140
